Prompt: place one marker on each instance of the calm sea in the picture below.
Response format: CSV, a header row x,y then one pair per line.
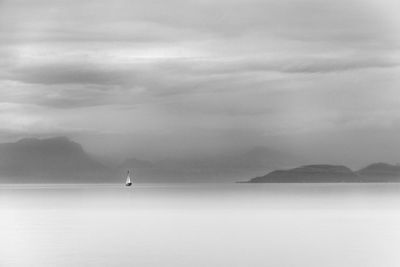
x,y
277,225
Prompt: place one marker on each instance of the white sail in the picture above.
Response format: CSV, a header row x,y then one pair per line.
x,y
128,179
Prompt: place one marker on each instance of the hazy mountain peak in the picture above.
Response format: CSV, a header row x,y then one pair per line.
x,y
51,159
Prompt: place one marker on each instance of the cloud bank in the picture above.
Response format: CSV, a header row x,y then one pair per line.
x,y
200,75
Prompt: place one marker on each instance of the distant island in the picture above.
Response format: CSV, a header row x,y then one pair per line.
x,y
324,173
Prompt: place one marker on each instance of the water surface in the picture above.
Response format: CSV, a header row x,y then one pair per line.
x,y
354,225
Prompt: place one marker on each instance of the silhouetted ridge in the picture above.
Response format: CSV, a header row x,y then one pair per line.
x,y
49,160
374,173
380,170
310,174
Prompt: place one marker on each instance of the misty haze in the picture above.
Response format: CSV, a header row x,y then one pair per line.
x,y
200,133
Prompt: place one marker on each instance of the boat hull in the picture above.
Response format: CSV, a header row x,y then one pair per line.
x,y
128,184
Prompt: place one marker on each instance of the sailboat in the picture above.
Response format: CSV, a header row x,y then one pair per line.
x,y
128,180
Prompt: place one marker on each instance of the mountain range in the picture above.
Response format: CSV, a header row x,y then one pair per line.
x,y
60,160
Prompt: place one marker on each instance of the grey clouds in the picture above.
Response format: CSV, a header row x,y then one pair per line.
x,y
187,77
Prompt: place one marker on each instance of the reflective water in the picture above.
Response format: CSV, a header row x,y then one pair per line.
x,y
276,225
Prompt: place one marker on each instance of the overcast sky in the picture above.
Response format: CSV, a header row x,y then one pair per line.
x,y
183,77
